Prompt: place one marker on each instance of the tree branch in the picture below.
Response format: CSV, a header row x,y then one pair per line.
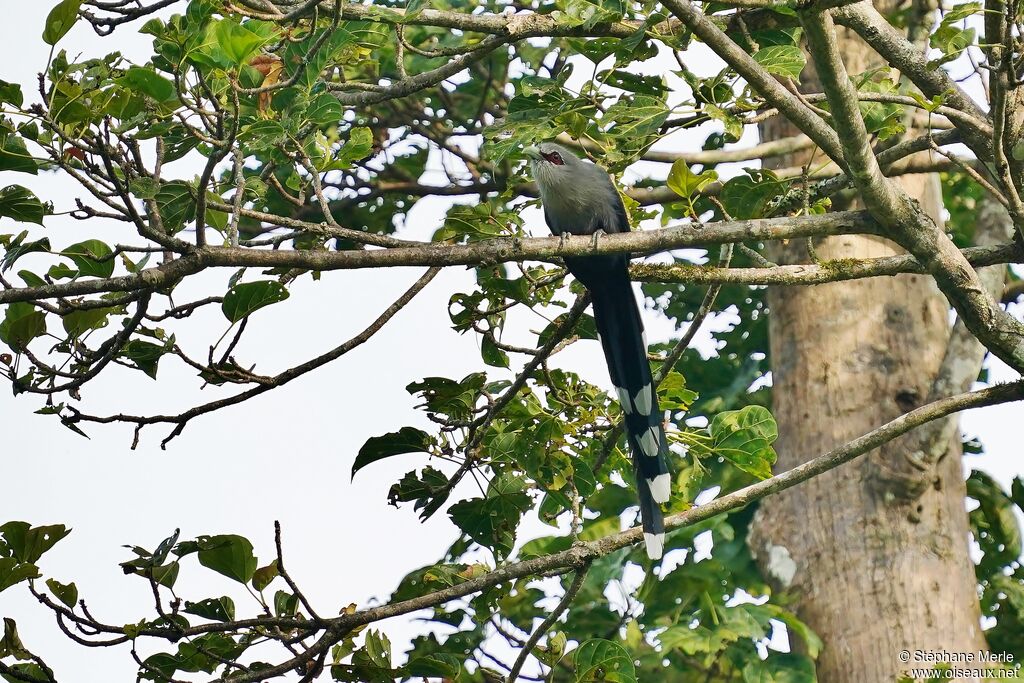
x,y
476,253
903,218
766,85
584,552
278,380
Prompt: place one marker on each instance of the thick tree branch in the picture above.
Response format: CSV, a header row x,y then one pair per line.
x,y
878,193
582,553
766,85
551,249
903,55
962,360
903,218
816,274
487,251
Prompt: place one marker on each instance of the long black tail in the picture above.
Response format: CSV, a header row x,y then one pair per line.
x,y
625,349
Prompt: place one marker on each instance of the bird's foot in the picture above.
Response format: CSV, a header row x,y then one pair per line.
x,y
595,237
563,239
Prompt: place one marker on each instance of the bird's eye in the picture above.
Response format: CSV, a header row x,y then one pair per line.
x,y
555,158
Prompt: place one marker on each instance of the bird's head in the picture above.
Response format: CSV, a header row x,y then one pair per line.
x,y
552,164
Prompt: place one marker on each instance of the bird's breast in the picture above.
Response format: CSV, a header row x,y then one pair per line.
x,y
573,211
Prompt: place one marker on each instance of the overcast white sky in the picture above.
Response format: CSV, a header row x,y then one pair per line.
x,y
285,456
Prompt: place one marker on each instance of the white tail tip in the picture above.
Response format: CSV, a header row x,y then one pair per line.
x,y
655,545
661,488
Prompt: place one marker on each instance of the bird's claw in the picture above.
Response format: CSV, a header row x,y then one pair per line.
x,y
563,238
595,237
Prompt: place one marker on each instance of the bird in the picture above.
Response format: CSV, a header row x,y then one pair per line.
x,y
579,198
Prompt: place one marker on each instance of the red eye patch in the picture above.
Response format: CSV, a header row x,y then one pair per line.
x,y
553,157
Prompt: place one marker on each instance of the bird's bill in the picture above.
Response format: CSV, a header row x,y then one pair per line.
x,y
532,152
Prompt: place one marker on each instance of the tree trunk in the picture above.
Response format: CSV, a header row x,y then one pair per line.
x,y
875,554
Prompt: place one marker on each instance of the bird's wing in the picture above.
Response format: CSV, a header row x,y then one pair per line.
x,y
552,226
620,221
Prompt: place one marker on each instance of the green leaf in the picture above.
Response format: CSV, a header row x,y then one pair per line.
x,y
405,440
10,644
553,650
10,93
884,119
698,640
65,592
59,271
492,355
673,394
21,324
167,574
782,60
177,143
437,665
229,555
794,626
18,247
262,577
28,543
325,109
425,489
994,522
27,671
145,355
378,649
530,118
492,521
237,41
685,182
20,204
475,222
625,80
603,660
216,609
732,123
176,204
31,279
780,668
637,117
77,323
60,20
590,13
777,36
952,40
147,81
358,146
748,196
92,257
961,12
285,604
263,134
144,188
435,577
444,395
744,437
585,328
14,155
413,8
242,300
13,572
